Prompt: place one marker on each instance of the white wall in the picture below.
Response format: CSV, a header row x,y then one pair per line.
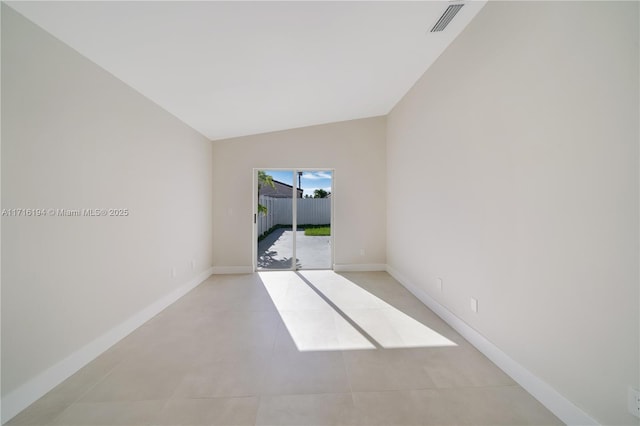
x,y
355,149
73,136
513,176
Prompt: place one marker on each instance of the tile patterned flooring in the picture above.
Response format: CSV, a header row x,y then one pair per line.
x,y
286,348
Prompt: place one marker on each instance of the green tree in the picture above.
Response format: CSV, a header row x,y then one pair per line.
x,y
320,193
263,179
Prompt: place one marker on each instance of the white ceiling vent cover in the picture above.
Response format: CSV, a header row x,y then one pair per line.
x,y
446,17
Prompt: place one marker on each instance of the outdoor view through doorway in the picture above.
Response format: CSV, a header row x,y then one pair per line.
x,y
293,219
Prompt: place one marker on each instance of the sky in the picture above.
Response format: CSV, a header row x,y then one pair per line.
x,y
311,180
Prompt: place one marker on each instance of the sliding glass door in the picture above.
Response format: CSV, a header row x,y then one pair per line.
x,y
292,219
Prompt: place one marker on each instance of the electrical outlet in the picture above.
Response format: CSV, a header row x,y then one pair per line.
x,y
474,305
439,283
634,401
174,273
361,252
193,265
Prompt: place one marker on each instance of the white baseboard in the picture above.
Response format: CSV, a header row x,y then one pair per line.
x,y
560,406
221,270
362,267
19,399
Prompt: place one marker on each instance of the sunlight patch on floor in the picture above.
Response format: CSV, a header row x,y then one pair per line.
x,y
324,311
312,323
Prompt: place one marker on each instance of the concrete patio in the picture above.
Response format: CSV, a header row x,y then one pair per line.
x,y
276,250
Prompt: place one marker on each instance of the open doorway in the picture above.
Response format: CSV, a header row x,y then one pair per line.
x,y
293,215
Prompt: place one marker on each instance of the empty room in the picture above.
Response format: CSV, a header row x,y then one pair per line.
x,y
320,213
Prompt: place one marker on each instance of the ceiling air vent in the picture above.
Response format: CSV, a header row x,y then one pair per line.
x,y
446,17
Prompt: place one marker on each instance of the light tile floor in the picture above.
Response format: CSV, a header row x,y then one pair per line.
x,y
285,348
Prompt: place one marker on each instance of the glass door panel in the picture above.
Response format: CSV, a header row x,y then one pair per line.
x,y
313,214
274,219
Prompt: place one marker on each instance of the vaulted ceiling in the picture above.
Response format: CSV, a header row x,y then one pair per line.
x,y
236,68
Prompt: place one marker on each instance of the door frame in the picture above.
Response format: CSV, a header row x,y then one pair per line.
x,y
294,208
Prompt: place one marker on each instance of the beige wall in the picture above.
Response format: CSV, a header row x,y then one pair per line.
x,y
73,136
355,149
513,176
